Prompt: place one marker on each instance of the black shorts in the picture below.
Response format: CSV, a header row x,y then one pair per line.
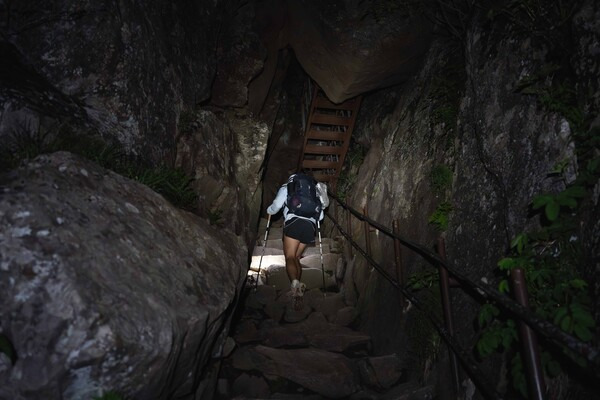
x,y
300,229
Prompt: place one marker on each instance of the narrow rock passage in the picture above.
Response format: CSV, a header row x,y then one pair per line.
x,y
312,353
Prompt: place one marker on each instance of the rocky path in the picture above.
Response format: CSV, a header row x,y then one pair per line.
x,y
276,352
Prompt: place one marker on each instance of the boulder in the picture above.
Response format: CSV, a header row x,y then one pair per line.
x,y
133,89
275,310
345,316
328,374
104,285
329,305
381,372
345,46
311,330
251,386
246,332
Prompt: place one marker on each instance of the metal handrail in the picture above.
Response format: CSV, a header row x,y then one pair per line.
x,y
543,327
466,361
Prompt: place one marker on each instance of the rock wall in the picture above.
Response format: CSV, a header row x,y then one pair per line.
x,y
467,115
129,67
106,286
137,72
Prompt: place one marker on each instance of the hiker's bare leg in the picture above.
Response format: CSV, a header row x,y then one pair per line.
x,y
292,264
299,252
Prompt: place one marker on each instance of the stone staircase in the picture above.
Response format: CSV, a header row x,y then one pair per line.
x,y
276,352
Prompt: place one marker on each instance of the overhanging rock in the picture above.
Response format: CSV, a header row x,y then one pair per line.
x,y
353,49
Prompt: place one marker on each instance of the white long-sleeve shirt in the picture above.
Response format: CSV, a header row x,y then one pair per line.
x,y
279,202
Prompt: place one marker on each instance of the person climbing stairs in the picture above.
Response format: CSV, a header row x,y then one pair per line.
x,y
316,352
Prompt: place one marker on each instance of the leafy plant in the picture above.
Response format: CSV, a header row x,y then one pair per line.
x,y
552,255
215,216
423,280
354,159
110,395
27,142
440,179
24,142
545,20
7,348
172,183
439,218
445,93
549,257
186,121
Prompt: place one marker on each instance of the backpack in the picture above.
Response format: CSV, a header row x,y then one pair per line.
x,y
302,197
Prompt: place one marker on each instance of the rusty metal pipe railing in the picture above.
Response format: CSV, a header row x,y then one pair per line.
x,y
400,275
529,345
367,232
349,223
469,365
447,309
543,327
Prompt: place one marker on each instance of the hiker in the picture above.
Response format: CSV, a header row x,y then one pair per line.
x,y
303,201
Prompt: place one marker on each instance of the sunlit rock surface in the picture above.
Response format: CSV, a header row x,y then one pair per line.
x,y
104,285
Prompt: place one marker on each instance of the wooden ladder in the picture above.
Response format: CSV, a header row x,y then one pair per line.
x,y
327,136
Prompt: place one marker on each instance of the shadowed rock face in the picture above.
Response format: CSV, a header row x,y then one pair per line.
x,y
350,48
106,286
130,65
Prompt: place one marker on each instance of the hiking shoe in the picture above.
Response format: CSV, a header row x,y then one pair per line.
x,y
297,291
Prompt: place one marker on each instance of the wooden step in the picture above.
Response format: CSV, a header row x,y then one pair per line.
x,y
315,149
326,119
334,135
326,135
324,177
323,102
320,164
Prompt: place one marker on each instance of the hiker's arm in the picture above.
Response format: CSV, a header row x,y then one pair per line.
x,y
279,201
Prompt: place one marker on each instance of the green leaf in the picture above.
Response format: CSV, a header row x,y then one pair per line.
x,y
575,191
508,334
567,201
578,283
582,332
553,368
503,286
552,209
487,313
540,201
482,348
507,263
592,165
586,319
7,348
560,314
565,324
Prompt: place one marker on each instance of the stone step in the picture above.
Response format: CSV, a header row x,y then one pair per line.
x,y
267,260
269,250
276,276
330,261
278,243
